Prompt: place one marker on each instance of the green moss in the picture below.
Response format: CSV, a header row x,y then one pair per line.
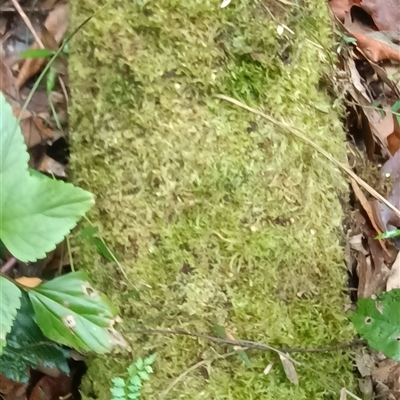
x,y
217,215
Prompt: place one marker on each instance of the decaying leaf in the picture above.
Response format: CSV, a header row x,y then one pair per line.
x,y
289,369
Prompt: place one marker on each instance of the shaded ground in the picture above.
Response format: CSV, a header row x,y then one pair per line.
x,y
216,216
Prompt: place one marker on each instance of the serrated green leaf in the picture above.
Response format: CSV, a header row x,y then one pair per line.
x,y
35,214
139,363
27,347
150,359
118,382
132,370
119,392
378,321
71,312
133,395
148,369
133,389
10,302
135,381
144,375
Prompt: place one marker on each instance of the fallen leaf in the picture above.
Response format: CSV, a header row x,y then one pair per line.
x,y
50,166
289,369
387,374
388,219
385,13
50,388
393,281
29,282
364,362
374,49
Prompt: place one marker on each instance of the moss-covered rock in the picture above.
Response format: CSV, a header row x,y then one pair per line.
x,y
216,215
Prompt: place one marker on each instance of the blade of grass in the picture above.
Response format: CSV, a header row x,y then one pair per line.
x,y
301,135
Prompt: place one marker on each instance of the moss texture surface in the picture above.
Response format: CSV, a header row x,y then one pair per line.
x,y
216,215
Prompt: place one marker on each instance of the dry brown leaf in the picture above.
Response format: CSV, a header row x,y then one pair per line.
x,y
385,13
390,220
367,208
342,7
387,373
50,166
375,50
289,369
34,129
29,282
12,390
50,388
51,35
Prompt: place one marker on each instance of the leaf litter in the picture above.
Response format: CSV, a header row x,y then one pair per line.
x,y
370,60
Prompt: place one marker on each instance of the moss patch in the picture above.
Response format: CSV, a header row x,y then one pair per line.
x,y
217,216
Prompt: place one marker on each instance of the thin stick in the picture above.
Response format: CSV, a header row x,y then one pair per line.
x,y
301,135
8,265
28,23
71,260
249,344
189,370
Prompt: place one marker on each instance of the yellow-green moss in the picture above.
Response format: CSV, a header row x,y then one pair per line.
x,y
216,215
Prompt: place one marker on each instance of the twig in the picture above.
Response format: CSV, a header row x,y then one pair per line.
x,y
301,135
189,370
28,23
249,344
8,265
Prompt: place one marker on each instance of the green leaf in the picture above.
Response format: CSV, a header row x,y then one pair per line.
x,y
144,376
118,382
133,395
102,249
242,354
118,392
27,347
132,370
378,321
37,53
35,213
148,369
139,363
135,381
10,302
87,232
133,389
396,106
71,312
150,359
389,234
